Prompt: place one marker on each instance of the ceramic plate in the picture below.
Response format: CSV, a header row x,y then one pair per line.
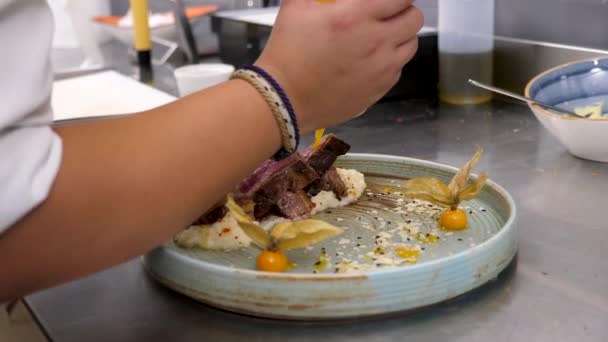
x,y
457,263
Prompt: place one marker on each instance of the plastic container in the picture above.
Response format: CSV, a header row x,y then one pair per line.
x,y
195,77
466,44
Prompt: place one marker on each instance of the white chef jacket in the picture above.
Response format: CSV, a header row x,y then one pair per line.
x,y
30,152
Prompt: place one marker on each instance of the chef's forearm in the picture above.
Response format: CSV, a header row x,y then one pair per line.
x,y
126,185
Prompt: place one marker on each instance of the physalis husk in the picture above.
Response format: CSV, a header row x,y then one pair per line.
x,y
283,236
449,195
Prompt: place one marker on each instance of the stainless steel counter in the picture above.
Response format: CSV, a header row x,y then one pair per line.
x,y
556,291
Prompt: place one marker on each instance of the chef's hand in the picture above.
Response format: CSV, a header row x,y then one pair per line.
x,y
336,59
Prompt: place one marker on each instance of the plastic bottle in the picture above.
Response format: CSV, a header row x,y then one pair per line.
x,y
466,43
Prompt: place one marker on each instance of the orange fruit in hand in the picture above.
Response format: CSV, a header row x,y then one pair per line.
x,y
455,219
271,261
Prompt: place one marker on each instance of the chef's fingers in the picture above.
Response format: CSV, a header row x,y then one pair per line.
x,y
404,26
384,9
406,51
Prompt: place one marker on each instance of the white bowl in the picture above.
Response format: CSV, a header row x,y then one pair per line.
x,y
569,86
195,77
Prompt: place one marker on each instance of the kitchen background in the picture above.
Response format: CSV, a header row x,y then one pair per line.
x,y
575,22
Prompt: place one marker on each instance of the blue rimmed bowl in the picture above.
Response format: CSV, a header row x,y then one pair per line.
x,y
570,86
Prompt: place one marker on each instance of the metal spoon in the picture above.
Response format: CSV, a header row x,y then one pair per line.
x,y
525,99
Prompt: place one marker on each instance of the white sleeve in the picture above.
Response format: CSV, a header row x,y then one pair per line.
x,y
30,152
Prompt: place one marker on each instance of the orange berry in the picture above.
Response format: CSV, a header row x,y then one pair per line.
x,y
272,261
453,220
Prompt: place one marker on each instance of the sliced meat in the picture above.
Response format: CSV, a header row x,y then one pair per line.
x,y
250,185
293,178
275,180
292,169
263,207
295,205
280,187
323,158
330,181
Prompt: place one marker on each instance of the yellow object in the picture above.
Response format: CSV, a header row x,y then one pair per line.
x,y
408,253
141,27
455,219
270,261
322,263
593,111
285,235
318,136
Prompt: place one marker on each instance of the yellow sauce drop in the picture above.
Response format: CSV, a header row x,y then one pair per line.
x,y
410,254
318,136
321,264
387,190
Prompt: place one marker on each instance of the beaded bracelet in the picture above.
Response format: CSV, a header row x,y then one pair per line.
x,y
279,104
277,87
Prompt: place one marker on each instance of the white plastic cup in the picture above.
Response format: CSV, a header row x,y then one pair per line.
x,y
195,77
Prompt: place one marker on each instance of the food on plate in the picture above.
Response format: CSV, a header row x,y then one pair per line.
x,y
283,236
450,195
592,111
291,189
393,225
